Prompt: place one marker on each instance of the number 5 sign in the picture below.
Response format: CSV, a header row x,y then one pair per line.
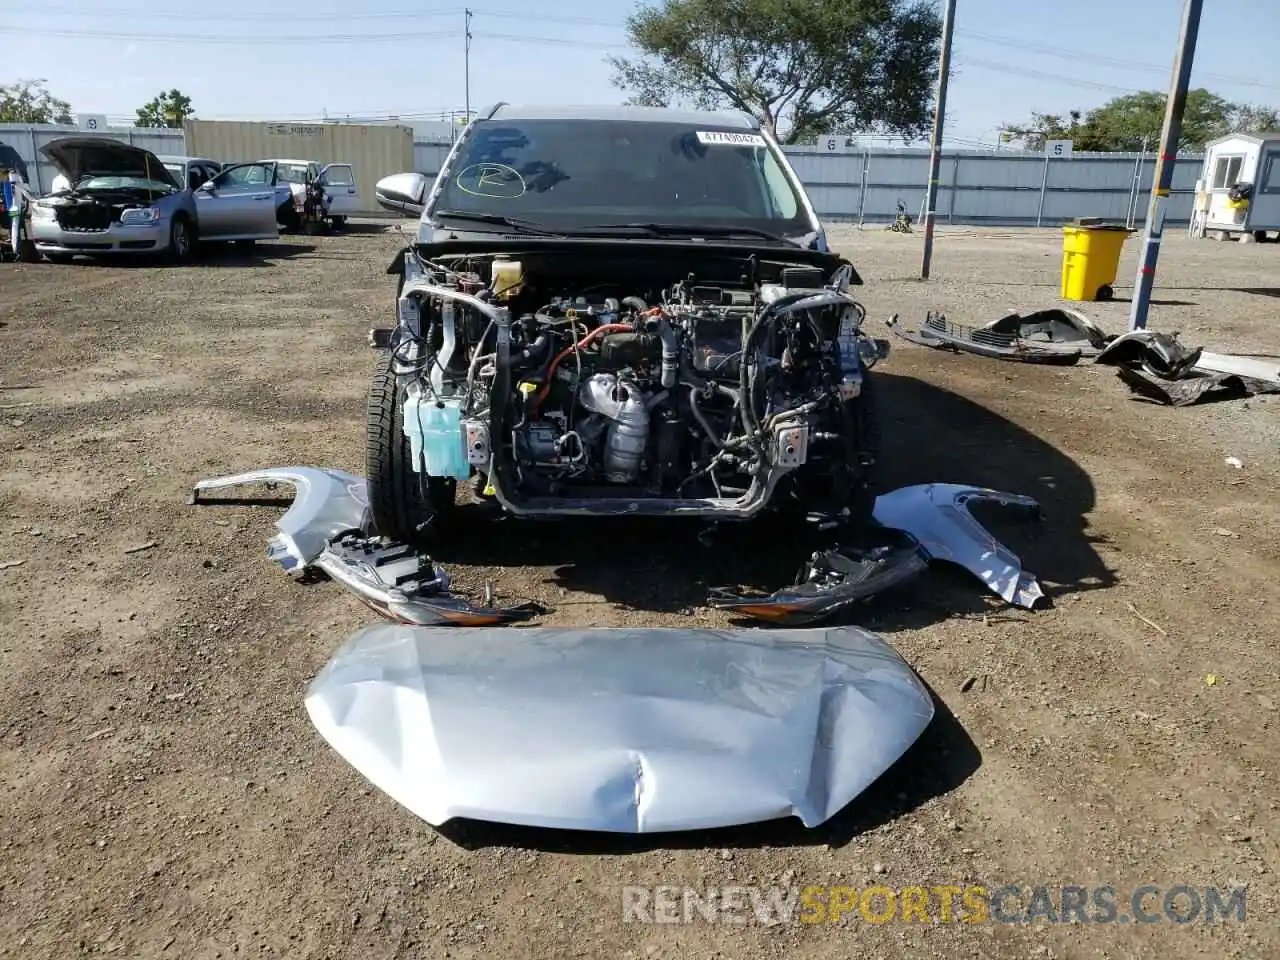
x,y
1058,149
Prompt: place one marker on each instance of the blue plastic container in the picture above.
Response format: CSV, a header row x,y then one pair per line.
x,y
435,437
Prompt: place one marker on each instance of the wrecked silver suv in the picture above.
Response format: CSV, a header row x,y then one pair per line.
x,y
620,311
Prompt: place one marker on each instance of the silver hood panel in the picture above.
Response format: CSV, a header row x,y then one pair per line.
x,y
76,157
620,730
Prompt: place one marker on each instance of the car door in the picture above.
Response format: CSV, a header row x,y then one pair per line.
x,y
238,204
339,182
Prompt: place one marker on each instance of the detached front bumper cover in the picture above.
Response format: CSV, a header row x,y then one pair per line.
x,y
1053,336
325,530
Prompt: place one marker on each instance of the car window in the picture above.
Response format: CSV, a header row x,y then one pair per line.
x,y
123,183
291,172
594,171
339,176
248,175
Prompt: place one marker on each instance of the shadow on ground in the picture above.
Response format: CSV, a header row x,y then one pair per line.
x,y
211,255
940,761
930,435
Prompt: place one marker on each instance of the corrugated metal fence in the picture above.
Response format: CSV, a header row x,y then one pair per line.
x,y
1008,188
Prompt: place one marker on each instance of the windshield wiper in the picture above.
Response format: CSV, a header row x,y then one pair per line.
x,y
687,230
516,223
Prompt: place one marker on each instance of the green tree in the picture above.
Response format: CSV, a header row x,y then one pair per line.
x,y
166,110
1252,118
27,101
1126,122
802,67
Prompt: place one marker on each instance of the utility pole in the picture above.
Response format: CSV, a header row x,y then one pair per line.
x,y
466,65
1166,155
935,148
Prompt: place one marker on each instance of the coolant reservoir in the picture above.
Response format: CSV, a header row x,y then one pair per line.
x,y
435,434
507,277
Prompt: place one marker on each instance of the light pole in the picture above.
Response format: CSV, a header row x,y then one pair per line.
x,y
935,147
466,65
1166,156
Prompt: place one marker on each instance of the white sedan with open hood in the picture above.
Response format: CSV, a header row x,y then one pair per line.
x,y
122,199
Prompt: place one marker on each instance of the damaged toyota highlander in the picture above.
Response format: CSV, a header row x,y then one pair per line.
x,y
619,311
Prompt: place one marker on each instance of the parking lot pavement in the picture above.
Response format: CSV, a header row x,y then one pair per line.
x,y
167,796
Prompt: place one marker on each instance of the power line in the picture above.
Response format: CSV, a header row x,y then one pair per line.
x,y
292,39
1029,46
1118,62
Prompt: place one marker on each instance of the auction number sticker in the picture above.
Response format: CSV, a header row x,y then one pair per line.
x,y
726,138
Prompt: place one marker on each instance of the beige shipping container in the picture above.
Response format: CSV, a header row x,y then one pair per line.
x,y
373,150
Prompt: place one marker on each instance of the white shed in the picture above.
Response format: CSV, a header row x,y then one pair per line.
x,y
1249,162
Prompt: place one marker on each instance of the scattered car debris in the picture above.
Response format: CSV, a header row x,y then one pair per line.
x,y
327,529
1054,336
142,547
1234,462
615,729
1159,367
831,581
937,515
8,564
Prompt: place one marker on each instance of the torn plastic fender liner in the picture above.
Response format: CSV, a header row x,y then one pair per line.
x,y
937,515
831,581
618,729
325,529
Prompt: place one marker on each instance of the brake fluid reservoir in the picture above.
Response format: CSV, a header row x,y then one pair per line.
x,y
507,277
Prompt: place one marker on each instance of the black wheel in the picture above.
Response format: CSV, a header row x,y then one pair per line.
x,y
403,503
23,247
180,240
1105,292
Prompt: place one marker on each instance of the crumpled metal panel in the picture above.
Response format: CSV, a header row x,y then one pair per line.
x,y
326,504
620,730
937,515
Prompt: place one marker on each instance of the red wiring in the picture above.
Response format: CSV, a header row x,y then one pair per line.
x,y
585,341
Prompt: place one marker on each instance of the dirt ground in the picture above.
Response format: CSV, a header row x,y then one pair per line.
x,y
165,794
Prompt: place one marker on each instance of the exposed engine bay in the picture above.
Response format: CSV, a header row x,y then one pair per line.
x,y
96,210
639,381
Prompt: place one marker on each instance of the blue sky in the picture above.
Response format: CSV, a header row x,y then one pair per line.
x,y
246,60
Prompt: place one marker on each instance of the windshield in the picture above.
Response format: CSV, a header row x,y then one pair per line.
x,y
291,173
566,173
93,182
177,170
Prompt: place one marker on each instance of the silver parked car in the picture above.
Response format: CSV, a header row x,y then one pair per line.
x,y
122,199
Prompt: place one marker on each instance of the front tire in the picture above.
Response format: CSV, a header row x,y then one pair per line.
x,y
180,240
404,503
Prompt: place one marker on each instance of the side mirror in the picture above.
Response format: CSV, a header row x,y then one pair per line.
x,y
403,193
207,187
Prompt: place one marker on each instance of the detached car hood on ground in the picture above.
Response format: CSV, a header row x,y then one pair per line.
x,y
77,157
619,730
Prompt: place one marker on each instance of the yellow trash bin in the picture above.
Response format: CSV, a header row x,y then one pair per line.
x,y
1091,259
